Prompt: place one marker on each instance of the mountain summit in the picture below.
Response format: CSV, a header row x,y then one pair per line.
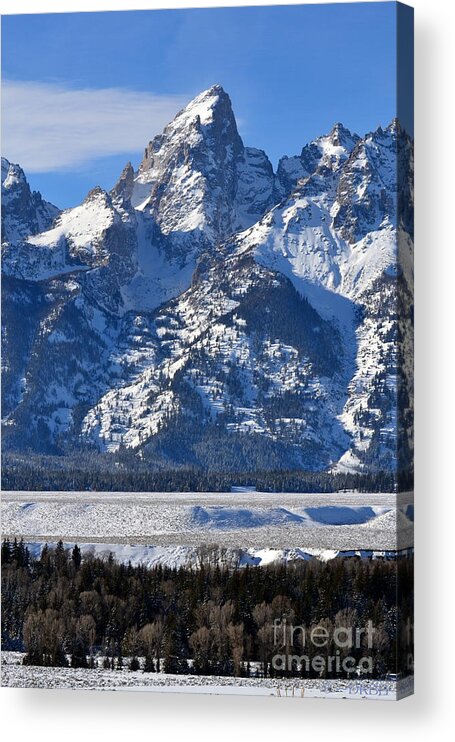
x,y
198,181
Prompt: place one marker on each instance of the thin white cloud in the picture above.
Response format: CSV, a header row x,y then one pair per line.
x,y
49,127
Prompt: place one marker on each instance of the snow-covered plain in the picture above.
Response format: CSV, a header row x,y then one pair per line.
x,y
339,522
15,675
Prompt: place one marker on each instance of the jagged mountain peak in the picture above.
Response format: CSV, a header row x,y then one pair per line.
x,y
205,104
395,126
326,153
24,212
386,134
124,186
11,173
5,166
215,89
207,119
97,194
367,190
334,147
341,136
198,179
338,127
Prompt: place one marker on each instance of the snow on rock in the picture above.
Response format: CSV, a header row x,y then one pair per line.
x,y
324,154
177,289
23,212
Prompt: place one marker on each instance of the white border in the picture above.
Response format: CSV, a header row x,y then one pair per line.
x,y
70,715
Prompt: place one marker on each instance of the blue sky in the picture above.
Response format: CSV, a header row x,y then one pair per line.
x,y
80,84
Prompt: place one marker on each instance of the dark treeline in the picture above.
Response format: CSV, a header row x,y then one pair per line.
x,y
110,473
214,618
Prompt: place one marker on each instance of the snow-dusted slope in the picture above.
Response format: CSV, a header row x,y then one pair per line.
x,y
338,227
240,349
339,241
209,311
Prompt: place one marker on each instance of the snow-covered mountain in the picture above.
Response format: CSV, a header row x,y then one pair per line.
x,y
211,312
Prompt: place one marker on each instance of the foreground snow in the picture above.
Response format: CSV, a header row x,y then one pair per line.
x,y
16,675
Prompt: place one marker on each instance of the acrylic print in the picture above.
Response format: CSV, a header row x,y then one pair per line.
x,y
207,293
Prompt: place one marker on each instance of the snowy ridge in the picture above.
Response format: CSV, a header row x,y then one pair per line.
x,y
319,158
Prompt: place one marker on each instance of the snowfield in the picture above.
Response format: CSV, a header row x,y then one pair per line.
x,y
15,675
250,520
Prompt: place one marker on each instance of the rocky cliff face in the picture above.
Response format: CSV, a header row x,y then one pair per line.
x,y
198,177
24,212
207,304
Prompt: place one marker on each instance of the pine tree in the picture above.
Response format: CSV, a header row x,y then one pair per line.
x,y
76,557
134,664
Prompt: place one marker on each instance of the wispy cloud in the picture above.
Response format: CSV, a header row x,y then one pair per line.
x,y
49,127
